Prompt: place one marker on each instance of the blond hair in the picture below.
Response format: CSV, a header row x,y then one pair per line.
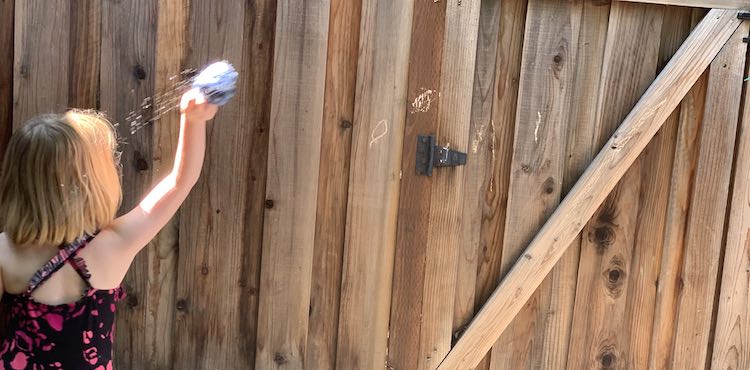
x,y
59,179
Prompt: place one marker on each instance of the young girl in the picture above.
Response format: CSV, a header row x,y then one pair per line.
x,y
63,254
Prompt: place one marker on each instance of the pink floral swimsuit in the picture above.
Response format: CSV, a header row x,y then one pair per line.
x,y
68,336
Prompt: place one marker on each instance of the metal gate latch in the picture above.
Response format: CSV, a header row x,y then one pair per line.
x,y
430,155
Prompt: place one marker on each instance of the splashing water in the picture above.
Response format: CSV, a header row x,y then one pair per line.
x,y
153,108
217,82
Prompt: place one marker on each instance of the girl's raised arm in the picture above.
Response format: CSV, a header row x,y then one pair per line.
x,y
128,234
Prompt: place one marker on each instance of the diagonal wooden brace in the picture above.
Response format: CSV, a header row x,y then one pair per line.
x,y
720,4
627,143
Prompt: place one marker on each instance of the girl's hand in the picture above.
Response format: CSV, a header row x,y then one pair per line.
x,y
195,108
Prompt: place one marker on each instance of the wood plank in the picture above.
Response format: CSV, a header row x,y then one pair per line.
x,y
730,349
609,240
612,238
377,142
546,89
423,96
41,59
333,187
254,100
292,183
210,238
127,77
706,222
559,289
690,118
171,50
85,48
446,203
719,4
7,14
601,177
499,125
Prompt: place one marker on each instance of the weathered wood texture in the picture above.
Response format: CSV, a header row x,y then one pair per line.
x,y
732,337
706,222
544,102
609,241
593,187
721,4
498,117
311,243
377,143
423,98
333,185
7,16
293,169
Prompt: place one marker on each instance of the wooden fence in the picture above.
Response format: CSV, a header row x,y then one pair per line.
x,y
310,241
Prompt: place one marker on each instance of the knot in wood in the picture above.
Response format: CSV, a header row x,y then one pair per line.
x,y
279,359
181,305
269,203
132,300
139,72
604,236
608,360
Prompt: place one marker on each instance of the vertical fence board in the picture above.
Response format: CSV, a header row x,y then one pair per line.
x,y
579,153
732,339
445,208
210,238
7,17
377,142
686,153
85,48
477,173
292,183
600,317
333,185
41,62
512,20
656,170
705,224
172,20
255,104
423,103
544,102
127,75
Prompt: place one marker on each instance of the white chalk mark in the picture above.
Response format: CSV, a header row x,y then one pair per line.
x,y
538,123
422,102
380,130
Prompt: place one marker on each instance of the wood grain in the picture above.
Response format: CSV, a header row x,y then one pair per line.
x,y
41,59
333,185
546,89
377,143
592,189
255,105
210,238
85,48
7,16
292,183
423,107
730,349
609,240
720,4
446,203
706,222
127,77
171,50
500,126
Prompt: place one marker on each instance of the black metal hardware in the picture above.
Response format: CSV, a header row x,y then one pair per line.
x,y
745,16
430,156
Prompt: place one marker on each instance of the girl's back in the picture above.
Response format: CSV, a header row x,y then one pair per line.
x,y
63,253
